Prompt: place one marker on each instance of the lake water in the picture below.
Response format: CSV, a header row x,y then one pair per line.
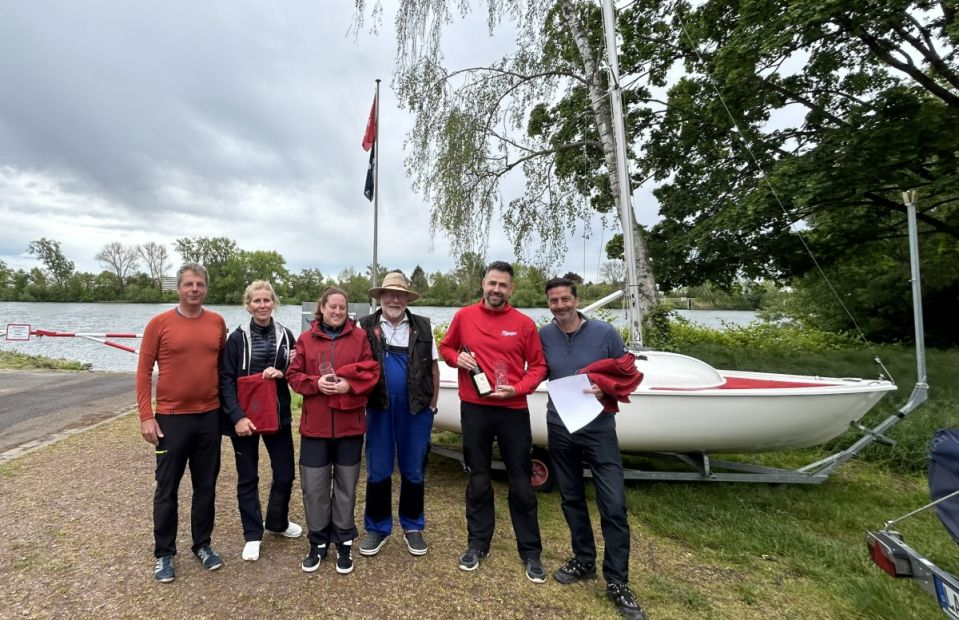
x,y
102,318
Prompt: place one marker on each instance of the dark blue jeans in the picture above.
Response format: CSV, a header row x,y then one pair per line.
x,y
597,445
481,424
246,451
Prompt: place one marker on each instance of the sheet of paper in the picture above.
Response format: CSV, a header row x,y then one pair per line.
x,y
575,407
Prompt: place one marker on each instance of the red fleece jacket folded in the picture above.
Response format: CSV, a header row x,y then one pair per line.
x,y
362,377
616,377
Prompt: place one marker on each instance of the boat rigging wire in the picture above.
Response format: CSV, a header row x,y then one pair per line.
x,y
918,510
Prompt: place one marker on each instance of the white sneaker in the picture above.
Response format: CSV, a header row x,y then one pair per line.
x,y
251,551
292,531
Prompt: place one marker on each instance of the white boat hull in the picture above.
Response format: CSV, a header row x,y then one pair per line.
x,y
684,405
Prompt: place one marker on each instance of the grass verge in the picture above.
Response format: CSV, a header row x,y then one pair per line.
x,y
13,360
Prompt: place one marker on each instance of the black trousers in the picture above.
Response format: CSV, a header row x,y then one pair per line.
x,y
192,439
481,424
246,451
595,444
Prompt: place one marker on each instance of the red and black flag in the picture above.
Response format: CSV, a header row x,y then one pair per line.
x,y
369,144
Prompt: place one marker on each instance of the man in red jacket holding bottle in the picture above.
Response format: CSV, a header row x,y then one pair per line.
x,y
497,334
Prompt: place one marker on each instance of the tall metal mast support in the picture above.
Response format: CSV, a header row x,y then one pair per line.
x,y
626,216
376,190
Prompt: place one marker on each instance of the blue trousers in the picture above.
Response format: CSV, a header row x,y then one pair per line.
x,y
396,435
595,444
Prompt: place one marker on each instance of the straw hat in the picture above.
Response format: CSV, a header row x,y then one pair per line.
x,y
394,281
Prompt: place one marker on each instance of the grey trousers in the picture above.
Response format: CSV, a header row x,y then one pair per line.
x,y
329,471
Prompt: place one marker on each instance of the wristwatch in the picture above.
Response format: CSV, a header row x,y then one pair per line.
x,y
433,409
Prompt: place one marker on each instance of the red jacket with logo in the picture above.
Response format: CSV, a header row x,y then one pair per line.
x,y
339,415
492,336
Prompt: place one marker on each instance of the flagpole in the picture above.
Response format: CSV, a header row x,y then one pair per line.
x,y
376,187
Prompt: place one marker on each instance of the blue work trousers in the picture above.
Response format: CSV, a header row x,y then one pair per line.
x,y
396,435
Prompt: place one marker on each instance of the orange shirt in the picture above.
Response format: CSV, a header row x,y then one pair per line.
x,y
187,353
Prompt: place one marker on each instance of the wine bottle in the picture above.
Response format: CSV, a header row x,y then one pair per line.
x,y
479,378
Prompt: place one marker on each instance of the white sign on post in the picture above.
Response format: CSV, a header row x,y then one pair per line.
x,y
18,331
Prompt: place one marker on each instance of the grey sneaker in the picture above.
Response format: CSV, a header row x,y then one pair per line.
x,y
625,601
415,542
372,544
208,557
470,560
163,570
573,571
534,570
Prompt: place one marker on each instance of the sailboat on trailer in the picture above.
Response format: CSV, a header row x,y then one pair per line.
x,y
687,409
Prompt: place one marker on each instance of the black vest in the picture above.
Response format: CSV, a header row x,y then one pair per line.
x,y
420,369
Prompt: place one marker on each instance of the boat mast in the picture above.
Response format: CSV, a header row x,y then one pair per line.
x,y
626,217
910,199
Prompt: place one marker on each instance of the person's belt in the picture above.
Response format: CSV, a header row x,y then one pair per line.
x,y
186,412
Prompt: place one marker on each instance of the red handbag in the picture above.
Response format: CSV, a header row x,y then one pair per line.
x,y
257,398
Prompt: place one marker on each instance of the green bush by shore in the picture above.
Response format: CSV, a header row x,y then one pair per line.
x,y
12,360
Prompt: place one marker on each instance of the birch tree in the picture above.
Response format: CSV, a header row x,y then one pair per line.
x,y
475,127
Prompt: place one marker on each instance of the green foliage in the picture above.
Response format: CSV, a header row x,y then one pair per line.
x,y
876,289
658,326
862,127
419,282
58,267
12,360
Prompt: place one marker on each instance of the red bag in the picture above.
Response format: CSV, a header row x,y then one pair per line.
x,y
257,398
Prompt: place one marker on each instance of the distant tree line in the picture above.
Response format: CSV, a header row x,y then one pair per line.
x,y
134,273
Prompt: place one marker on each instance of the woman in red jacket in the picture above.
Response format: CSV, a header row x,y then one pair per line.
x,y
334,370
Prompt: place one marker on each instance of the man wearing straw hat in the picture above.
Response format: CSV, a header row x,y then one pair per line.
x,y
399,414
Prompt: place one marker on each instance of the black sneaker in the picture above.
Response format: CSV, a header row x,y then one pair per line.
x,y
415,543
163,570
625,601
312,560
573,571
344,559
372,544
534,570
208,557
470,560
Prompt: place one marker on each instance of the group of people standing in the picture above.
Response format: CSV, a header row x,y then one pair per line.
x,y
378,378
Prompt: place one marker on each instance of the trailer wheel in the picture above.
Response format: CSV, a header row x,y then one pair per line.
x,y
542,478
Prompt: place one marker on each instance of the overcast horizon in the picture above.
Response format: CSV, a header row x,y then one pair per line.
x,y
136,123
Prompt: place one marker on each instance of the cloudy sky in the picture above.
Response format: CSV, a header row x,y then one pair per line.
x,y
149,121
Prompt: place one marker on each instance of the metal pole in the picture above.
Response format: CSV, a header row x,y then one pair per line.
x,y
626,216
376,188
911,199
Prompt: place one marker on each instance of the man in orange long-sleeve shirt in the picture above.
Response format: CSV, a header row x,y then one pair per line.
x,y
185,344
